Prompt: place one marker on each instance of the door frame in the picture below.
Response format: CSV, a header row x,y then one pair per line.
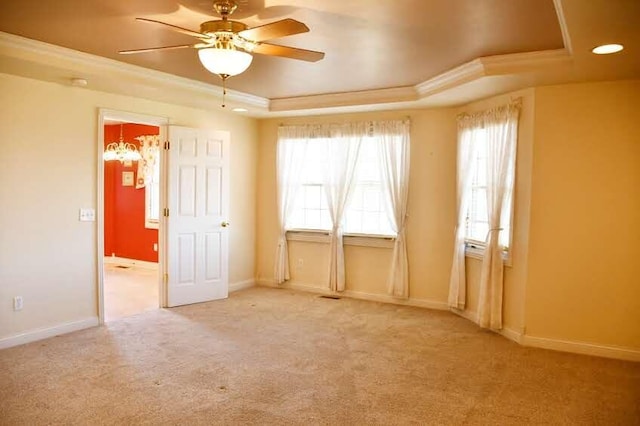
x,y
129,117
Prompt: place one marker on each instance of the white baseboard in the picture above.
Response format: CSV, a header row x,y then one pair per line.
x,y
385,298
469,315
372,297
511,334
582,348
43,333
241,285
506,332
114,260
310,288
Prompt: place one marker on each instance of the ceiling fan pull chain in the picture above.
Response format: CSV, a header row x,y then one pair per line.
x,y
224,90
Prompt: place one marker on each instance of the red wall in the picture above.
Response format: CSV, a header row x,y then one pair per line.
x,y
124,231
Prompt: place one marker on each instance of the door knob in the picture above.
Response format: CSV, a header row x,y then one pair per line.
x,y
225,224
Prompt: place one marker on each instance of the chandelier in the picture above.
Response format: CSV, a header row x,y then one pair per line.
x,y
121,151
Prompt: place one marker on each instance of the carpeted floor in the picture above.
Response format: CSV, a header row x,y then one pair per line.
x,y
267,356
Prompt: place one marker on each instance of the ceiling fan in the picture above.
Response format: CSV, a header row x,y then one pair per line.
x,y
225,45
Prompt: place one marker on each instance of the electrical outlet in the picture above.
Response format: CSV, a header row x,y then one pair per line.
x,y
18,303
300,263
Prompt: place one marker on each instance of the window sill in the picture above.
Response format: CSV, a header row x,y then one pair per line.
x,y
474,251
320,236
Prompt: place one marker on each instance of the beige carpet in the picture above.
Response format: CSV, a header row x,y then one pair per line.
x,y
267,356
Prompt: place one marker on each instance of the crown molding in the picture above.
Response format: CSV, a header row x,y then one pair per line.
x,y
564,29
51,55
118,77
523,62
465,73
455,77
366,97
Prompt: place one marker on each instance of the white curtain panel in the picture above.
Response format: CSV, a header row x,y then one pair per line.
x,y
467,142
501,126
291,151
393,148
344,145
150,152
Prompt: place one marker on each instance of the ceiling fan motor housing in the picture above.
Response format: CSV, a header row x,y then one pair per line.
x,y
212,27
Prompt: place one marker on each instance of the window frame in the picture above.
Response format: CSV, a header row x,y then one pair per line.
x,y
324,237
353,236
154,185
475,248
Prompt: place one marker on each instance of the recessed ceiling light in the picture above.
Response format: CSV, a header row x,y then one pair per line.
x,y
79,82
239,110
606,49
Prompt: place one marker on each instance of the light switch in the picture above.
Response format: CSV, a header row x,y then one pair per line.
x,y
87,215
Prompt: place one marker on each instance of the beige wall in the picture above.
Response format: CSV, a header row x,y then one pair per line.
x,y
574,274
47,255
584,274
431,215
431,211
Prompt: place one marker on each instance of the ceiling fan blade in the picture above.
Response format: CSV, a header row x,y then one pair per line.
x,y
288,52
176,28
283,28
155,49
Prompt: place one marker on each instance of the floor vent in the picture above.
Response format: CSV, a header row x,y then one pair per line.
x,y
123,267
329,296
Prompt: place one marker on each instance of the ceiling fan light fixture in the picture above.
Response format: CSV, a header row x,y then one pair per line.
x,y
225,62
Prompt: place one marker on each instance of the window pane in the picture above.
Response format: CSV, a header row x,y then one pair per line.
x,y
506,221
154,201
370,221
478,231
366,211
325,219
479,204
371,198
356,202
477,216
353,219
312,197
152,198
297,219
313,218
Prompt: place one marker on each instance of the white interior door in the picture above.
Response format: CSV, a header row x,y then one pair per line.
x,y
197,230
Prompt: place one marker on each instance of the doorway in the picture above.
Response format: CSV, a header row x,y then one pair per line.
x,y
130,238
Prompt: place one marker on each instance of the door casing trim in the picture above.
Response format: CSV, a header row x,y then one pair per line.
x,y
128,117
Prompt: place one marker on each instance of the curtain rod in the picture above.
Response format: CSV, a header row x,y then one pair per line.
x,y
369,122
513,102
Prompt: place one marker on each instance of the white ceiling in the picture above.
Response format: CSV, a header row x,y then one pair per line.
x,y
379,54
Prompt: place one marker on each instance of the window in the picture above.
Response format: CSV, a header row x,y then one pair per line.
x,y
152,199
365,214
311,210
477,222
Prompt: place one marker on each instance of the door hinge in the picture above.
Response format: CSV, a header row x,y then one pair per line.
x,y
165,278
167,145
165,212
